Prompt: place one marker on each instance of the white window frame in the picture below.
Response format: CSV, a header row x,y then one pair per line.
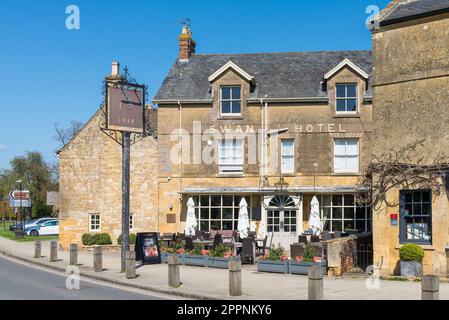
x,y
283,167
346,156
231,168
231,100
91,215
346,97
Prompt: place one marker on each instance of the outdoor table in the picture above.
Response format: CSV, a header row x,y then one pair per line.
x,y
205,243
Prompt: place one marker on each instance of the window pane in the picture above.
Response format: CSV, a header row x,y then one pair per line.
x,y
204,225
351,91
236,107
426,196
236,93
204,201
326,213
352,147
349,225
337,200
226,107
227,225
204,213
340,147
226,93
351,105
341,91
215,213
349,213
349,200
216,201
339,164
352,164
360,213
227,201
215,225
341,105
360,225
288,164
337,213
227,213
326,201
337,226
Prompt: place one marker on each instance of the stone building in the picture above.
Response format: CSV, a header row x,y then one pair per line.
x,y
410,89
234,125
90,183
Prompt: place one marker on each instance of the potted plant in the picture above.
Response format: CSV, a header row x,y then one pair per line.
x,y
301,264
275,261
175,248
219,257
196,257
411,260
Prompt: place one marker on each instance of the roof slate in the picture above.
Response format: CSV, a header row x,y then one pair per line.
x,y
278,75
415,9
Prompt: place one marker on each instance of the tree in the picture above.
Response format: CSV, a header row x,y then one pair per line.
x,y
37,176
64,135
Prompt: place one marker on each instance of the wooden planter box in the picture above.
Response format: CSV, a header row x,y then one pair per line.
x,y
303,267
272,266
411,269
217,262
189,260
164,257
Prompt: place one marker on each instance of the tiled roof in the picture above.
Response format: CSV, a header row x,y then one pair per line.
x,y
415,9
278,75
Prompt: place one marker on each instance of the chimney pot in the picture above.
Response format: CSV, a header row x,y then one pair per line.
x,y
115,68
186,44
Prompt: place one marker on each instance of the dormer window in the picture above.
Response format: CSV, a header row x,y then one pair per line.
x,y
346,98
230,101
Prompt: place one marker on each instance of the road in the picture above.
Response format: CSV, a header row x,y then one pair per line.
x,y
22,282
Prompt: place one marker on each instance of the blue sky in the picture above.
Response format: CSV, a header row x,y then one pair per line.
x,y
52,75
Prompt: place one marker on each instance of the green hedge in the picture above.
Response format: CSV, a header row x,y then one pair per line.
x,y
90,239
411,252
132,239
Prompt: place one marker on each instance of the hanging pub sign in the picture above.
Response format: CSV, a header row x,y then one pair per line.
x,y
125,107
147,248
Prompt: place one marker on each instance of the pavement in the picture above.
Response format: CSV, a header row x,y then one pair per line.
x,y
210,284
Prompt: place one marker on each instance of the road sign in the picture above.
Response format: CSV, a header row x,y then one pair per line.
x,y
19,199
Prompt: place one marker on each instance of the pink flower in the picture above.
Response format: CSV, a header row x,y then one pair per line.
x,y
299,259
284,258
205,252
316,259
181,251
229,254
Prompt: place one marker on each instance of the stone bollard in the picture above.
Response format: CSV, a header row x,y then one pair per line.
x,y
130,264
38,249
98,259
316,275
73,254
173,271
235,278
430,287
53,251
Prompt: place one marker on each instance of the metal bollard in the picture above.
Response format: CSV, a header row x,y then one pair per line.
x,y
430,287
173,271
73,254
235,278
316,275
98,259
130,264
37,249
53,251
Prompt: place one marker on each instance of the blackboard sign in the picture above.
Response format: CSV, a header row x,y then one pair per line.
x,y
147,248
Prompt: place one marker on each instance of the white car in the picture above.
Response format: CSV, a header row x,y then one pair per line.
x,y
46,228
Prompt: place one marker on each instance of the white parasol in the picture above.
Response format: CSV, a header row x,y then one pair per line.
x,y
314,218
243,224
191,222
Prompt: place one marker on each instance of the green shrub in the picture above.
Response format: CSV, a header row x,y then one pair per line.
x,y
132,239
411,252
90,239
275,253
309,254
197,250
104,239
219,251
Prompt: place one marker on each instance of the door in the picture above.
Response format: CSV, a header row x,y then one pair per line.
x,y
282,221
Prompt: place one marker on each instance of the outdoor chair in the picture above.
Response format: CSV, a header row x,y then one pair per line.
x,y
248,251
327,236
188,246
302,239
314,239
318,249
206,235
296,250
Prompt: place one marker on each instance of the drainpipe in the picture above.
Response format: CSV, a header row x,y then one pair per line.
x,y
266,138
181,163
262,145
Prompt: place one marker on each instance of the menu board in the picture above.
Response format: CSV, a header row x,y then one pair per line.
x,y
147,248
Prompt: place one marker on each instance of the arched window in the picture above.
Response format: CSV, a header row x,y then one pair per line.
x,y
282,201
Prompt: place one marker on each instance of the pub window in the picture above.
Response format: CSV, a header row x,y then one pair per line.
x,y
230,101
346,98
346,156
219,212
94,222
341,212
231,156
415,216
288,156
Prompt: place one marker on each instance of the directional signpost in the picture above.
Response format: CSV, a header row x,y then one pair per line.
x,y
19,199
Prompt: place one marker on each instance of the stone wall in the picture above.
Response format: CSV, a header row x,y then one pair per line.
x,y
90,182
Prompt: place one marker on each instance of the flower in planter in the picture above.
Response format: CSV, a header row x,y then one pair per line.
x,y
229,255
299,259
181,251
284,258
317,259
205,252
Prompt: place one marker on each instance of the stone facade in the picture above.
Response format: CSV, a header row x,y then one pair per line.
x,y
90,182
410,89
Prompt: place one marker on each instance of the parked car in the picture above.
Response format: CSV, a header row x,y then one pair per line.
x,y
28,223
47,228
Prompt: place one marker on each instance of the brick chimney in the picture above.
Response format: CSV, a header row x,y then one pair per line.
x,y
186,44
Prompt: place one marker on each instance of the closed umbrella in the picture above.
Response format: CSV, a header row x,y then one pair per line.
x,y
314,219
243,224
261,233
191,222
